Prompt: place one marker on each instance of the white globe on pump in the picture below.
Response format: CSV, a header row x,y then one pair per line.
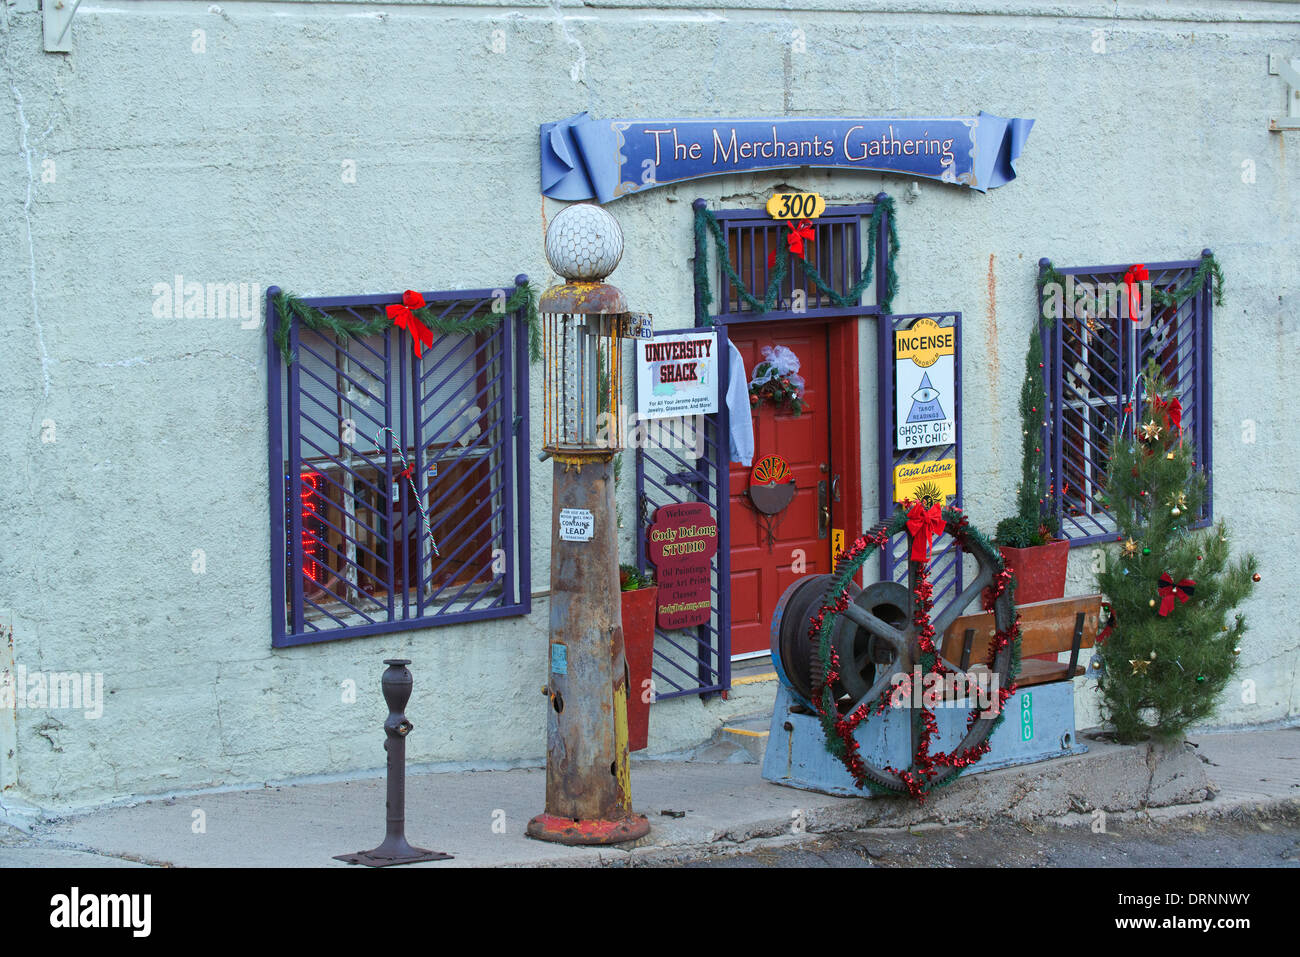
x,y
584,243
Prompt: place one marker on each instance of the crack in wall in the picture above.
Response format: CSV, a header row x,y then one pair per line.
x,y
151,360
578,69
26,149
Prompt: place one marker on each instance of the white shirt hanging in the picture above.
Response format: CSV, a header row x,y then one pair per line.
x,y
742,425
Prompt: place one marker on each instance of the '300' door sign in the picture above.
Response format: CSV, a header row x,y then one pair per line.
x,y
681,542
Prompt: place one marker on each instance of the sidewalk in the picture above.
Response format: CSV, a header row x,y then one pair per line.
x,y
479,816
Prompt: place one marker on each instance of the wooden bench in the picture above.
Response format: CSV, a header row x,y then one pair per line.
x,y
1046,628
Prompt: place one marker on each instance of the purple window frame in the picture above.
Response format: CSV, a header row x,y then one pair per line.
x,y
506,427
1192,325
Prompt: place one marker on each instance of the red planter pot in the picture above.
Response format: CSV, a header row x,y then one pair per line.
x,y
639,648
1039,570
1040,573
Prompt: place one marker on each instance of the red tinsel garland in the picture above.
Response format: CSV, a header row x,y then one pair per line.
x,y
917,779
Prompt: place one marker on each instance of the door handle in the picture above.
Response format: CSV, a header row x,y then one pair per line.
x,y
823,510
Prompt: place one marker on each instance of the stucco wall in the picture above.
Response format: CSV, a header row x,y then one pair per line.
x,y
131,441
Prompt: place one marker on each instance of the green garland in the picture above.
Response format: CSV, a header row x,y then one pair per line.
x,y
706,223
290,308
1209,267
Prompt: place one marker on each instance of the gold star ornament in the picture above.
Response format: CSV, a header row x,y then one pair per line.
x,y
1140,665
1129,548
1151,431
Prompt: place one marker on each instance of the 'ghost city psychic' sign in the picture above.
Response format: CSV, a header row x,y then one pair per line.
x,y
584,158
681,542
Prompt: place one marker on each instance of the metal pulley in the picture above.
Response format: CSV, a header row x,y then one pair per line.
x,y
876,640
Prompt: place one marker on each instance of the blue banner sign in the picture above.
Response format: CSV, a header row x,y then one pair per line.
x,y
583,158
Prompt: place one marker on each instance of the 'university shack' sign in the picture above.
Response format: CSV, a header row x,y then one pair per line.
x,y
677,375
583,158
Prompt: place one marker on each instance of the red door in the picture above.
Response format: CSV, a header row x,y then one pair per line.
x,y
800,544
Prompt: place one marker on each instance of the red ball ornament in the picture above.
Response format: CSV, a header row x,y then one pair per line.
x,y
1255,577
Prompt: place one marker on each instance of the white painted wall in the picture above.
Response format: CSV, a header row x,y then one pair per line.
x,y
135,158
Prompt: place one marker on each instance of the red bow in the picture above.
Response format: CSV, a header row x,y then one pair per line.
x,y
1134,276
1183,590
1173,413
923,526
404,318
795,239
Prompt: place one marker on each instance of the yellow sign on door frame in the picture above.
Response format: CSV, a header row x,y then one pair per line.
x,y
910,476
925,342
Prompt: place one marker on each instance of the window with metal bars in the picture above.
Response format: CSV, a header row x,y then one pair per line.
x,y
1094,357
837,251
399,484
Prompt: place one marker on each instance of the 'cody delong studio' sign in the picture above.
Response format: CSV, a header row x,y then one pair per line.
x,y
584,158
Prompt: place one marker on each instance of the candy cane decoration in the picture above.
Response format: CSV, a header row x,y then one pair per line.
x,y
409,472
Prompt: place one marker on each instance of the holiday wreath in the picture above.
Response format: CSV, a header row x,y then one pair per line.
x,y
929,769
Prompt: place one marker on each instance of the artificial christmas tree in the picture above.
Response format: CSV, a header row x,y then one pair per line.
x,y
1171,648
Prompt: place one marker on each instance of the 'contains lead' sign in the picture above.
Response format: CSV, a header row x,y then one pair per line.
x,y
681,542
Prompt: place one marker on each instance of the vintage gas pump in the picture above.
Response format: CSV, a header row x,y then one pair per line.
x,y
588,784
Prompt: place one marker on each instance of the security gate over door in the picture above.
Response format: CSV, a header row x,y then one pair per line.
x,y
682,460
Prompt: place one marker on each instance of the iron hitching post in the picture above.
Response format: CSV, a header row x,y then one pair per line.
x,y
395,849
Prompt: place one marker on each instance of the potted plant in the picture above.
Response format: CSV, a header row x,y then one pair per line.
x,y
1030,540
639,606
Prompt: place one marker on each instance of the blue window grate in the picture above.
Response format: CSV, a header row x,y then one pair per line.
x,y
1093,362
362,433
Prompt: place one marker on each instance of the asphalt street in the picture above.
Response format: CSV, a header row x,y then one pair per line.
x,y
1238,840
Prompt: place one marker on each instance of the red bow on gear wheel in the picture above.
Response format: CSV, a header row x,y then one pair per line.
x,y
404,317
923,525
795,239
1134,276
1168,590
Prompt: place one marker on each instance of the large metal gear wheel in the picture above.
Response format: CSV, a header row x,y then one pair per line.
x,y
875,638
